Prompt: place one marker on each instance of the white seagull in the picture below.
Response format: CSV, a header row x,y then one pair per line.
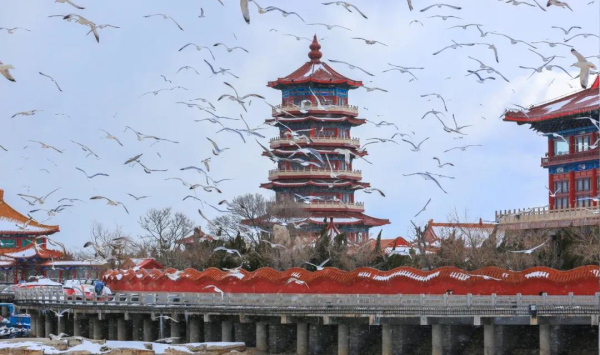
x,y
166,17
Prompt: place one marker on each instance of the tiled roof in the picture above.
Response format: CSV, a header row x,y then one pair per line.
x,y
583,101
351,120
14,223
31,251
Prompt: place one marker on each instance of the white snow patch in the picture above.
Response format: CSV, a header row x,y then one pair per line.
x,y
537,275
408,274
460,276
119,277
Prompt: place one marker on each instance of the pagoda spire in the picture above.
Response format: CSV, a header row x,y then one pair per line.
x,y
315,54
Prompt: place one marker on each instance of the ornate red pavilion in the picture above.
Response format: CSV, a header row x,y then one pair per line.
x,y
572,160
24,251
323,124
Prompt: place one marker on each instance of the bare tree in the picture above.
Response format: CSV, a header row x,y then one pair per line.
x,y
114,245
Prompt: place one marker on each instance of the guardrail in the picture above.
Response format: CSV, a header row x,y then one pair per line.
x,y
536,214
242,300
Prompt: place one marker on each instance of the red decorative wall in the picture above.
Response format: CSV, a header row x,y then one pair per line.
x,y
581,281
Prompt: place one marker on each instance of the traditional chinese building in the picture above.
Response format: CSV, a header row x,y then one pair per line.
x,y
573,158
24,250
315,113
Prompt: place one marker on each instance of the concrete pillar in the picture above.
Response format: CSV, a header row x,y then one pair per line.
x,y
196,335
227,331
77,325
41,327
34,319
61,323
261,336
136,328
302,339
437,340
112,328
48,325
97,328
121,329
343,339
246,333
545,340
148,329
386,339
489,344
5,312
176,331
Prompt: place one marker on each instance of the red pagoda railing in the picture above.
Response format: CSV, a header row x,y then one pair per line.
x,y
278,141
328,108
571,158
277,173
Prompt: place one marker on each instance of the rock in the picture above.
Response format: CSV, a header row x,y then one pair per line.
x,y
148,346
196,348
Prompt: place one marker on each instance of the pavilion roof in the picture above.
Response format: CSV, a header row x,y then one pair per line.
x,y
13,222
31,251
315,71
583,101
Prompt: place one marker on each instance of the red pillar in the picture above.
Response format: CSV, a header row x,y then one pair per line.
x,y
572,189
59,275
571,144
594,185
551,187
550,149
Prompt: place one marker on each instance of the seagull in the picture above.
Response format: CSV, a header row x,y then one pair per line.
x,y
187,67
283,12
148,170
433,112
347,6
512,40
439,97
480,79
584,66
85,22
424,208
369,89
410,6
550,67
166,17
556,135
319,267
71,200
383,123
70,3
553,194
368,190
91,176
296,37
566,32
39,200
464,27
488,69
52,212
416,148
138,198
370,41
296,281
46,146
553,44
482,34
558,3
228,251
350,66
585,35
11,31
463,148
167,318
439,6
133,159
416,21
329,27
528,251
183,182
229,50
110,202
201,13
453,46
216,150
26,113
427,176
110,136
274,245
4,70
198,48
545,59
245,10
516,3
221,71
440,165
51,78
403,71
216,289
86,149
237,98
445,17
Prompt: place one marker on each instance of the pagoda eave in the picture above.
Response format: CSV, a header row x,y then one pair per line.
x,y
280,184
286,119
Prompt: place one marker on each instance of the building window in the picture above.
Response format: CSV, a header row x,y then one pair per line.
x,y
582,143
342,101
582,184
25,242
561,187
561,202
561,147
584,201
8,243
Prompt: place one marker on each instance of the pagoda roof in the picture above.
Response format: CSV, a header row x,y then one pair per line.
x,y
348,119
315,71
31,251
10,220
73,263
272,184
583,101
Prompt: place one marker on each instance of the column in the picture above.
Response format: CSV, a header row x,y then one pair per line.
x,y
551,187
112,328
60,324
176,331
5,312
148,329
261,336
77,325
545,340
136,328
48,325
436,340
550,150
33,324
571,189
489,345
227,331
195,330
594,184
386,339
342,339
121,329
302,339
97,328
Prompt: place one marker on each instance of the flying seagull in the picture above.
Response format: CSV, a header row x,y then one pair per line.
x,y
347,6
166,17
439,6
4,70
440,165
528,251
85,22
51,78
198,48
70,3
351,66
26,113
319,267
424,208
39,200
584,66
91,176
110,202
428,176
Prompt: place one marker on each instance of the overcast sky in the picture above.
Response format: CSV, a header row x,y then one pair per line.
x,y
102,79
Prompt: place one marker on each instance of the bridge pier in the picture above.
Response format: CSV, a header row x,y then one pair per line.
x,y
35,318
148,333
343,339
60,324
261,337
545,339
489,339
136,328
437,340
97,331
121,329
302,338
227,331
196,331
386,339
48,329
176,329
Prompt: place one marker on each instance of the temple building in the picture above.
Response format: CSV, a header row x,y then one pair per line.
x,y
25,252
573,158
315,112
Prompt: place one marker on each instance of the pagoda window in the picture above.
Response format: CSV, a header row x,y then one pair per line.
x,y
8,243
561,187
584,201
326,132
342,101
561,147
582,184
561,202
25,242
582,143
346,198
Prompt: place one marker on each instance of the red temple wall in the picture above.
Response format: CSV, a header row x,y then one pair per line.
x,y
486,281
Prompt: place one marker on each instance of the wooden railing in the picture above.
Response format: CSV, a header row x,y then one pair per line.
x,y
278,141
313,172
333,205
570,158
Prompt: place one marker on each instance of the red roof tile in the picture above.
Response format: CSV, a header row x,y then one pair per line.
x,y
10,219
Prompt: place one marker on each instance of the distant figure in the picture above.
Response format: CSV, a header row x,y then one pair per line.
x,y
99,287
449,292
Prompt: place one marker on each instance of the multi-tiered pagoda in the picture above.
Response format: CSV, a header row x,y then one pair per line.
x,y
315,113
573,157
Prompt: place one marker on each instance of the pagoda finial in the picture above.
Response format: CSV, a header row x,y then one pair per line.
x,y
314,54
